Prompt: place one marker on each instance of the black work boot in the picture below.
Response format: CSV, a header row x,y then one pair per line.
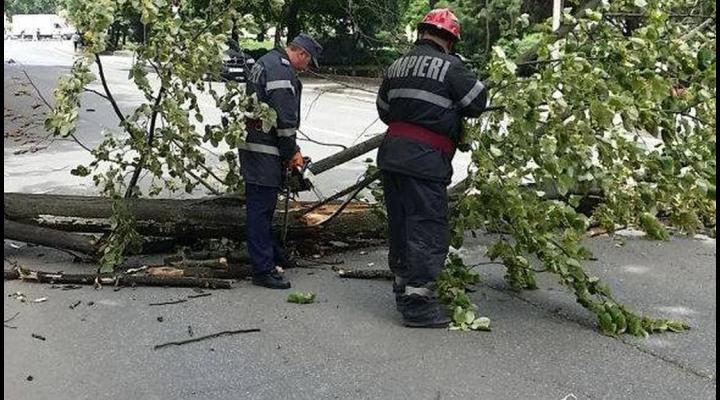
x,y
422,311
272,280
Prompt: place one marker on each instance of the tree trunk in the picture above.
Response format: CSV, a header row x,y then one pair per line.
x,y
185,220
47,237
292,21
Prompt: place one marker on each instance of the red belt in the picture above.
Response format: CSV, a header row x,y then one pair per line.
x,y
254,124
420,134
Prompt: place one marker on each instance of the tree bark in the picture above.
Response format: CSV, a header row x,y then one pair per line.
x,y
292,21
184,220
346,155
47,237
124,280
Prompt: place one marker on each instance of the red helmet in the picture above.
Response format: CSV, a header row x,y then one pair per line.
x,y
443,19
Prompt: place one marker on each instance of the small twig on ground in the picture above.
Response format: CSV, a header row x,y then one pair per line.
x,y
190,331
214,335
195,296
12,318
39,337
77,303
168,302
318,262
192,296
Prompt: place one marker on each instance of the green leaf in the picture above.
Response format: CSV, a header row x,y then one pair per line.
x,y
606,324
653,227
574,200
80,170
301,298
564,184
481,324
459,315
469,316
711,194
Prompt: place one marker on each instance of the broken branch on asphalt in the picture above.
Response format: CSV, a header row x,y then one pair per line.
x,y
126,280
38,337
379,274
12,318
200,338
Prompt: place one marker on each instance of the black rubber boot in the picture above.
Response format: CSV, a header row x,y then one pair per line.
x,y
273,280
423,312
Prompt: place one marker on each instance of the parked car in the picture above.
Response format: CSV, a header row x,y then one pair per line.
x,y
236,64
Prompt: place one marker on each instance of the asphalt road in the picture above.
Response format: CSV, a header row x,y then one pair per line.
x,y
351,345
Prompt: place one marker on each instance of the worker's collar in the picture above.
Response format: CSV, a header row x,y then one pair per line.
x,y
431,43
284,55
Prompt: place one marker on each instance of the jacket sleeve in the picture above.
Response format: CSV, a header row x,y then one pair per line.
x,y
282,97
382,103
467,91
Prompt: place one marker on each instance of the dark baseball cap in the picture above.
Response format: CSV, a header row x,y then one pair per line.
x,y
310,45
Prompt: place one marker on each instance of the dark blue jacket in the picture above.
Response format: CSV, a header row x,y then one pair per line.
x,y
434,90
264,155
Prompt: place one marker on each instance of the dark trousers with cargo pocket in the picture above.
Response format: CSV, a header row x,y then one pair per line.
x,y
419,229
263,248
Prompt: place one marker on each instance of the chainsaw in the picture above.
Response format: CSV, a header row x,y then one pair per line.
x,y
298,180
301,179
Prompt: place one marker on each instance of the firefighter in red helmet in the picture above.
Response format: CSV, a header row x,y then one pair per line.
x,y
423,99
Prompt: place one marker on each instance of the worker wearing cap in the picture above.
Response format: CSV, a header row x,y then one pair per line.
x,y
423,99
266,155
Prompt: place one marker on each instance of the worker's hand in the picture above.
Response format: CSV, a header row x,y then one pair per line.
x,y
297,161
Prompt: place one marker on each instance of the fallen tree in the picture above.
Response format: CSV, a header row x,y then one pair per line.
x,y
29,215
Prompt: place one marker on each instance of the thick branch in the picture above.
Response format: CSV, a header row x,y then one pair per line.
x,y
346,155
109,95
47,237
151,136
